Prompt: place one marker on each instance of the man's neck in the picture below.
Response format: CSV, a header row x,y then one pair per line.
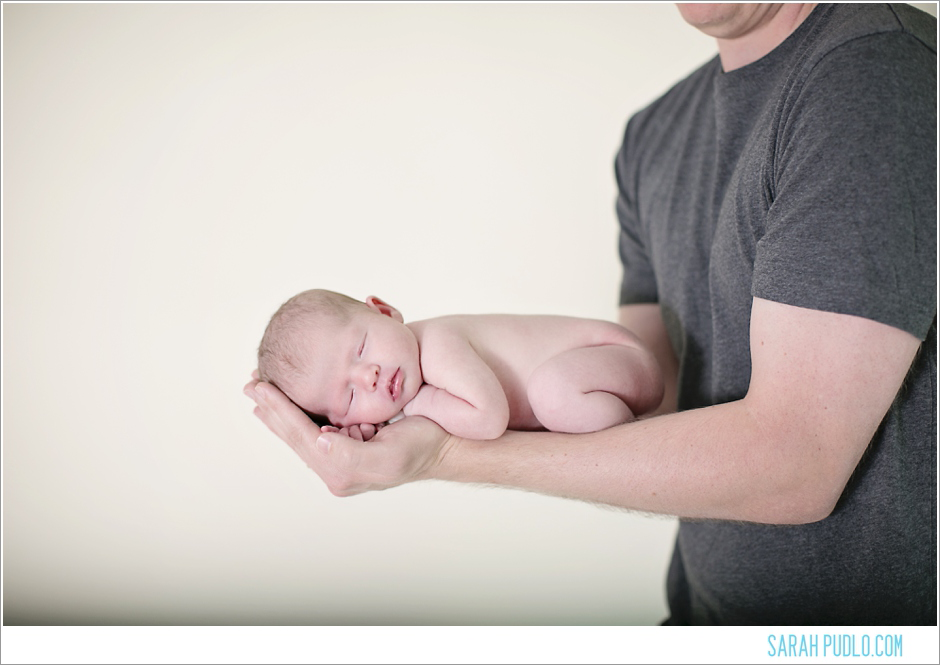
x,y
741,51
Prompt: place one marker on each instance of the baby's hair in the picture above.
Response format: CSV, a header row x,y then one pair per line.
x,y
281,352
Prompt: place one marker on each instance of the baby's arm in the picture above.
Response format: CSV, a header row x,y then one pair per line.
x,y
461,393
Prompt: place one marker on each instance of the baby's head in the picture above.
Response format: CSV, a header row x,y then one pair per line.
x,y
339,359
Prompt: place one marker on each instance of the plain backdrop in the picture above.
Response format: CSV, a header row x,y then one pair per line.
x,y
173,172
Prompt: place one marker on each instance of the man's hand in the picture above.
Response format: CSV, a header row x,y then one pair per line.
x,y
400,453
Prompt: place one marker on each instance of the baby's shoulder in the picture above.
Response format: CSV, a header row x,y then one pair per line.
x,y
441,329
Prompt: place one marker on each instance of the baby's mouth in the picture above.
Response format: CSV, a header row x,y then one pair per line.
x,y
394,385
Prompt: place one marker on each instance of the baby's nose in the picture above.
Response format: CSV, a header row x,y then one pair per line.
x,y
369,377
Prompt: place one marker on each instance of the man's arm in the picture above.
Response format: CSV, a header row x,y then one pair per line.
x,y
821,384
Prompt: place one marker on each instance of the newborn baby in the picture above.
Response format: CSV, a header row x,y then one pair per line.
x,y
357,365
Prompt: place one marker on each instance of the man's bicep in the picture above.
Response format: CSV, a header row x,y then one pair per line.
x,y
821,383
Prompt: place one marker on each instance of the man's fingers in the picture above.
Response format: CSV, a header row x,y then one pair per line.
x,y
250,386
283,417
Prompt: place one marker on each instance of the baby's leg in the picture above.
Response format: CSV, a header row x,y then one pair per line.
x,y
592,388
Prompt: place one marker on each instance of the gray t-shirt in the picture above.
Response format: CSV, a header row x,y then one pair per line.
x,y
808,178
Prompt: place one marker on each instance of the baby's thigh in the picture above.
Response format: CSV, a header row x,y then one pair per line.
x,y
584,390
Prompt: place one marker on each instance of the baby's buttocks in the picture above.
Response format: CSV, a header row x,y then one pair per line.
x,y
516,346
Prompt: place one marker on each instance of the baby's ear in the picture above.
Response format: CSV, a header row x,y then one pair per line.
x,y
376,304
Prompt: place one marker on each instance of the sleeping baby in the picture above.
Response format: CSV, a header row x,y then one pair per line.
x,y
356,365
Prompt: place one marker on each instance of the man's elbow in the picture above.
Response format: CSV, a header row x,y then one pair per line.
x,y
787,508
801,466
804,499
805,510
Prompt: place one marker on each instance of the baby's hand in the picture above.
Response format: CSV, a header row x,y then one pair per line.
x,y
409,408
362,432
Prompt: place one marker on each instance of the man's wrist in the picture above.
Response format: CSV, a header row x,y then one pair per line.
x,y
444,465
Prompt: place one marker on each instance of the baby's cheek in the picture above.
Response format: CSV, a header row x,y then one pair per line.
x,y
379,413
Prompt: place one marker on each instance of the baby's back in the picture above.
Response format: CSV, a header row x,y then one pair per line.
x,y
515,345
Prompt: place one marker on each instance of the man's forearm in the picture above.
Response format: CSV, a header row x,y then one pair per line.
x,y
716,462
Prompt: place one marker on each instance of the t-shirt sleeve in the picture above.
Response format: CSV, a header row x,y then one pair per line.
x,y
852,226
639,282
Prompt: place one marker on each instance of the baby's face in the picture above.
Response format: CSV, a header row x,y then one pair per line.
x,y
360,372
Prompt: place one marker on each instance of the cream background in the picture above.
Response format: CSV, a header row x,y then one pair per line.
x,y
171,173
